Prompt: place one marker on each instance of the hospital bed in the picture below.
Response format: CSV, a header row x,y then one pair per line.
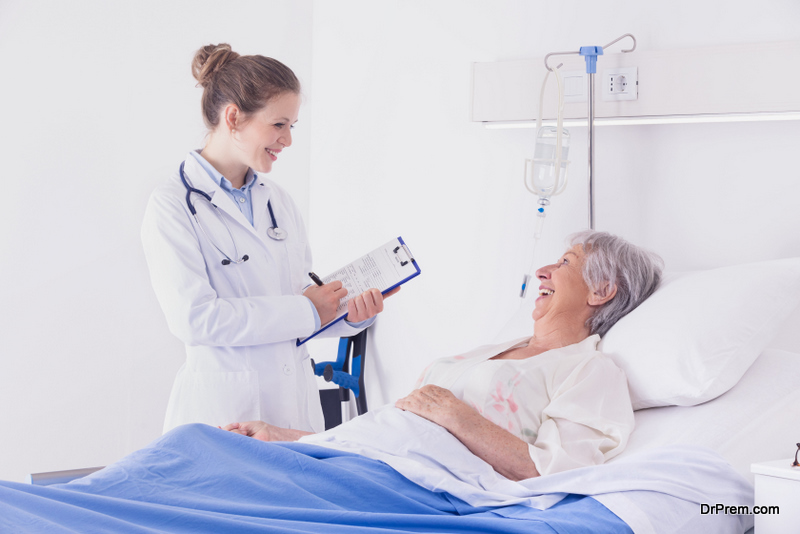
x,y
712,366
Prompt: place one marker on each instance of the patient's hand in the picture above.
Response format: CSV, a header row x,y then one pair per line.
x,y
265,431
505,452
436,404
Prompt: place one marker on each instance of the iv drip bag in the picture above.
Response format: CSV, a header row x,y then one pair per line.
x,y
546,173
549,171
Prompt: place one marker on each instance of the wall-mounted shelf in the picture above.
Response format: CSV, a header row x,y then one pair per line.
x,y
712,84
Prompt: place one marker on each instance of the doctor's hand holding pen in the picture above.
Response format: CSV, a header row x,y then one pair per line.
x,y
325,299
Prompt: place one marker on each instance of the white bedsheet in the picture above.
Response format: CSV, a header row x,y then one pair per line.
x,y
657,491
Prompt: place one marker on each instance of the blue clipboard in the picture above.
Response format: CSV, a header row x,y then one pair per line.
x,y
400,253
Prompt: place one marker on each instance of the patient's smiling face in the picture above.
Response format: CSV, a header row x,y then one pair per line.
x,y
562,290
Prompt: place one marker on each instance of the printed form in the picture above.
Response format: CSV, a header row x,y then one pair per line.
x,y
384,268
381,269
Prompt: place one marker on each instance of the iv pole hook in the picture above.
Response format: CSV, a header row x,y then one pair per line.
x,y
631,49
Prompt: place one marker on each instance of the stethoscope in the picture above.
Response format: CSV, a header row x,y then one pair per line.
x,y
274,232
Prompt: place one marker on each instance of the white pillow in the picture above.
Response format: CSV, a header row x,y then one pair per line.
x,y
694,338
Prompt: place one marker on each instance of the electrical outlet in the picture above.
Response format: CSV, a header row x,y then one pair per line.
x,y
621,84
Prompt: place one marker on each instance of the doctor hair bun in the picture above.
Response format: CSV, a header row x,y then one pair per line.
x,y
248,82
209,60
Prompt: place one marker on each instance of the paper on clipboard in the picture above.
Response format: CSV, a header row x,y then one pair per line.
x,y
384,268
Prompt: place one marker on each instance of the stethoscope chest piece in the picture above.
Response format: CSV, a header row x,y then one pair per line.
x,y
278,234
274,231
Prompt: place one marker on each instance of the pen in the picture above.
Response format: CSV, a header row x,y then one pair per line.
x,y
316,279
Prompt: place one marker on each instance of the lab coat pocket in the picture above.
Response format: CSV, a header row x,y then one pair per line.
x,y
218,398
297,251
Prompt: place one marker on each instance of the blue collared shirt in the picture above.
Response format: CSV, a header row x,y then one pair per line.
x,y
242,197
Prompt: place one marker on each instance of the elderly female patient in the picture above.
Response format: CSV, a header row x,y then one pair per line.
x,y
545,403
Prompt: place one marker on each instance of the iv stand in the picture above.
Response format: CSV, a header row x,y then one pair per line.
x,y
590,53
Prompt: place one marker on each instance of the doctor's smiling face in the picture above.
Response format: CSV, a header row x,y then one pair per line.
x,y
259,139
249,106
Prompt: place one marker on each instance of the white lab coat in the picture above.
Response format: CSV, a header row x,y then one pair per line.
x,y
239,321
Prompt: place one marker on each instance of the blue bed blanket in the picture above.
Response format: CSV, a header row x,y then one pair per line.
x,y
201,479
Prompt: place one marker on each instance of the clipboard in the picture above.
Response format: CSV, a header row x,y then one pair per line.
x,y
385,268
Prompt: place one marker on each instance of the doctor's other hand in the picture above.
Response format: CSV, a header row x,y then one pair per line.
x,y
367,305
265,431
325,299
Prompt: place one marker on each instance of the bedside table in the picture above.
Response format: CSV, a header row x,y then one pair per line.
x,y
777,483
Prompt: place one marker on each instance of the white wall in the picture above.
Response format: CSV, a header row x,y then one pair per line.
x,y
394,153
99,106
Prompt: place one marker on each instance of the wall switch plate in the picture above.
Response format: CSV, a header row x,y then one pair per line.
x,y
576,85
620,84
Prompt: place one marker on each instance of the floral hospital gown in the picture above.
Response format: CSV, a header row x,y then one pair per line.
x,y
571,405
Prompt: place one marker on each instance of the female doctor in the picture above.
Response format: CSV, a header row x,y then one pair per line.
x,y
229,257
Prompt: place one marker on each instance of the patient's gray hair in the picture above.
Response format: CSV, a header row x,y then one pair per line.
x,y
610,262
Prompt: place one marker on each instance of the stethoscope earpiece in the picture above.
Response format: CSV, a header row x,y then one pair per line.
x,y
226,261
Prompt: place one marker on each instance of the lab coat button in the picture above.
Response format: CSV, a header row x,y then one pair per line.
x,y
287,370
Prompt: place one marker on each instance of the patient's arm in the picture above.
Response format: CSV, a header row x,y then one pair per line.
x,y
265,431
505,452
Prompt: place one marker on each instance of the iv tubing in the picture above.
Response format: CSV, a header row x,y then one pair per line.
x,y
536,235
559,125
